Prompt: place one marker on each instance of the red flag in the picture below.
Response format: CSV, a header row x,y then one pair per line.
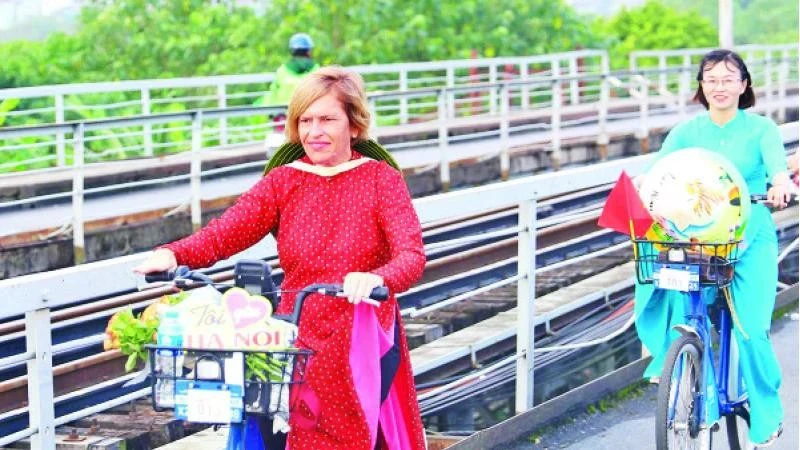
x,y
624,211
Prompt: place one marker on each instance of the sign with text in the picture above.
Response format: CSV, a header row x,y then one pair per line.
x,y
237,321
208,402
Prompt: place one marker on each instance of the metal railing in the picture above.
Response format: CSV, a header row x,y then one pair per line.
x,y
63,103
533,94
34,296
771,66
637,84
69,102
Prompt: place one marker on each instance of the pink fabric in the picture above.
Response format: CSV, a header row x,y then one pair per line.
x,y
393,425
368,343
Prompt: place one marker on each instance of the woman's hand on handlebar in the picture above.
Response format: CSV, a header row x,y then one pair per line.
x,y
161,260
780,194
359,285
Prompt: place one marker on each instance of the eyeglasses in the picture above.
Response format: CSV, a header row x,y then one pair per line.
x,y
726,83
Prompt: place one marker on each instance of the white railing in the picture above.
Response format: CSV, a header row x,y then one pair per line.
x,y
69,102
772,67
637,83
534,94
34,296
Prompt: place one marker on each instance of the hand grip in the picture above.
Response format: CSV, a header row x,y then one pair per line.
x,y
156,277
762,198
380,294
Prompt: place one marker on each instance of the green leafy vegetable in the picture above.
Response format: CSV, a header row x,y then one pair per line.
x,y
133,335
263,367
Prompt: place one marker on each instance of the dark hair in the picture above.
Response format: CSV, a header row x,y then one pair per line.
x,y
301,52
714,57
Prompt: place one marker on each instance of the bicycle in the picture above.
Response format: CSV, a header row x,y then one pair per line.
x,y
214,400
695,377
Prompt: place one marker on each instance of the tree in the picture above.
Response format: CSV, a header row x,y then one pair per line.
x,y
653,26
138,39
754,21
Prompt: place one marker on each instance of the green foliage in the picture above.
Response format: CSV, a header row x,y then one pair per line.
x,y
133,335
140,39
264,367
382,31
754,21
653,26
5,106
146,39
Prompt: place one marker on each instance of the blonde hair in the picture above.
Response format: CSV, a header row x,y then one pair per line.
x,y
349,89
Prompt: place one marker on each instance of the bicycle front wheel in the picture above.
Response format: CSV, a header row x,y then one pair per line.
x,y
680,393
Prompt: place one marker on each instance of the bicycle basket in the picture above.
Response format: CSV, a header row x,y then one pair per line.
x,y
707,264
234,383
269,394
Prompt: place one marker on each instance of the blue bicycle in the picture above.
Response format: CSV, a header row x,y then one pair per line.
x,y
700,374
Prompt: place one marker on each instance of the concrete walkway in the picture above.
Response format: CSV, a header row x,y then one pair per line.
x,y
630,424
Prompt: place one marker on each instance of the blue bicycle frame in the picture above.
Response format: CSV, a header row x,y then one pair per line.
x,y
721,395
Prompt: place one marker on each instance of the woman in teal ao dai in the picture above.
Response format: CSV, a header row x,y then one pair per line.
x,y
754,145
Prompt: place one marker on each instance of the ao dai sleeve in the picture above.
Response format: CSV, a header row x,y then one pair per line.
x,y
245,223
772,150
402,230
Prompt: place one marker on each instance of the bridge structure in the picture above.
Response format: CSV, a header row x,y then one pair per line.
x,y
536,95
543,100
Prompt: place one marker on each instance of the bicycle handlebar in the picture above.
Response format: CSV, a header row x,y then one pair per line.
x,y
157,277
182,276
762,198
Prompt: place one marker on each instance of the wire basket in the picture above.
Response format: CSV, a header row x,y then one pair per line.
x,y
201,385
708,264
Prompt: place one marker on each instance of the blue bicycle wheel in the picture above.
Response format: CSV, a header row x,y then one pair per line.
x,y
679,424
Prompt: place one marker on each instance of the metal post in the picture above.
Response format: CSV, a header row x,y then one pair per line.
x,y
505,163
643,132
602,117
683,89
61,159
526,294
195,170
403,99
662,77
493,92
78,241
373,114
222,103
41,407
444,161
450,79
725,24
768,85
525,93
574,86
783,76
684,86
602,113
147,133
555,125
604,64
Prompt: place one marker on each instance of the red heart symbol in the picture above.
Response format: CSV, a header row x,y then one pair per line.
x,y
244,310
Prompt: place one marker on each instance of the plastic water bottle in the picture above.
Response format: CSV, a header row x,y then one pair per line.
x,y
170,362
